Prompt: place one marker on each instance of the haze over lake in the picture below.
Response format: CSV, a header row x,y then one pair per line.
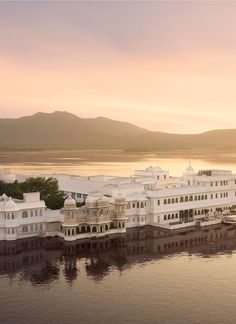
x,y
115,163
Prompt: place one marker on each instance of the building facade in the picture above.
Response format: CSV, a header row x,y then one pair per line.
x,y
150,197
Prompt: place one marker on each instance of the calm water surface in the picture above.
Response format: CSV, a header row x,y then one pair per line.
x,y
144,276
111,162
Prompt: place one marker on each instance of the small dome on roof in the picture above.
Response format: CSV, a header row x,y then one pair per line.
x,y
70,202
10,205
189,168
102,200
3,197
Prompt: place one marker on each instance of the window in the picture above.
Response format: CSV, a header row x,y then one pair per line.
x,y
165,201
24,214
164,217
31,213
24,229
40,212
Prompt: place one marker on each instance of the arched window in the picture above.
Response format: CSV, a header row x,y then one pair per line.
x,y
133,205
25,229
199,197
176,215
68,232
83,229
106,227
165,201
142,219
202,197
176,200
205,196
164,217
169,216
186,198
169,201
31,213
123,224
94,229
142,205
112,225
40,212
36,213
24,214
181,199
173,201
191,198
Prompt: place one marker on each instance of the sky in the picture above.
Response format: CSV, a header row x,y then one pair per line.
x,y
163,65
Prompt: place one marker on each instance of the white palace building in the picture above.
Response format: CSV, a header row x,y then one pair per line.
x,y
112,204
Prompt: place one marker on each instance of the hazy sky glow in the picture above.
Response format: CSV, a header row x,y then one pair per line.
x,y
168,66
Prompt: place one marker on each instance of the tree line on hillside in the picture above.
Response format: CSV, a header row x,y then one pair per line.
x,y
48,188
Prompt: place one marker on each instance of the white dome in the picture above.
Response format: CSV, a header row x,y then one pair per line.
x,y
3,198
10,205
69,202
189,169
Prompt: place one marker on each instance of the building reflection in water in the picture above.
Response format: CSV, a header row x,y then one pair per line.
x,y
43,260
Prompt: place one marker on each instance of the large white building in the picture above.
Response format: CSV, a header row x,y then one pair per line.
x,y
150,197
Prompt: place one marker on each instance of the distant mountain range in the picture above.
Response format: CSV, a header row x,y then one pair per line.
x,y
63,130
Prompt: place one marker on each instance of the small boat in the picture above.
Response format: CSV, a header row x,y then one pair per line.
x,y
228,219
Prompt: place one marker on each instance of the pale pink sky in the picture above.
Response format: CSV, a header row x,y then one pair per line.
x,y
167,66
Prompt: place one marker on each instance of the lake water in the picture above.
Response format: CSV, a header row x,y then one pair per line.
x,y
144,276
111,162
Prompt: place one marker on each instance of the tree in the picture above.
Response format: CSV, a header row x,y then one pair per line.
x,y
48,188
